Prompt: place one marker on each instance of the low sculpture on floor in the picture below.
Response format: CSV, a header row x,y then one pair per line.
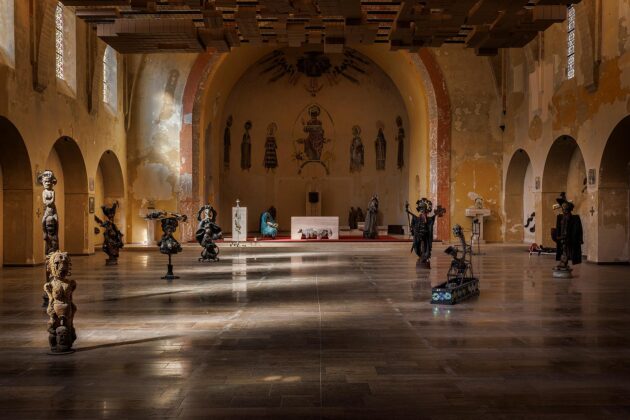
x,y
168,244
61,309
421,227
568,236
460,282
112,237
371,224
268,224
208,232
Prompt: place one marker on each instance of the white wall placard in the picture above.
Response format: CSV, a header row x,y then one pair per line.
x,y
239,224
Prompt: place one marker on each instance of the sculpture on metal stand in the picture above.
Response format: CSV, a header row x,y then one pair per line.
x,y
208,232
421,227
61,309
168,244
268,224
460,282
568,236
371,224
112,237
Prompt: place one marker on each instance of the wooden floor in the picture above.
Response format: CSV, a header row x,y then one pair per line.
x,y
316,332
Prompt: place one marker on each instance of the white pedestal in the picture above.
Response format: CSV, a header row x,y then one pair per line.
x,y
305,227
479,214
150,240
239,224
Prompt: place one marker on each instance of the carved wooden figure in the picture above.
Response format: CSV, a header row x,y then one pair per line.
x,y
61,309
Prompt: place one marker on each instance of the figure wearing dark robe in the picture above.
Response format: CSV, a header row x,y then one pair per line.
x,y
371,224
271,147
569,236
357,153
422,226
315,139
360,215
381,150
352,218
400,138
227,142
246,148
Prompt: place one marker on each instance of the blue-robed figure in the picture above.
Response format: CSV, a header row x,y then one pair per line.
x,y
268,225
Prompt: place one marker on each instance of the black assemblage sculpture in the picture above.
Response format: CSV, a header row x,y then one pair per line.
x,y
168,244
208,232
112,237
421,226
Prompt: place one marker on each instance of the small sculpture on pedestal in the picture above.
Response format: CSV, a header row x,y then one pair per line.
x,y
168,244
569,238
371,224
61,310
112,237
208,232
268,224
421,227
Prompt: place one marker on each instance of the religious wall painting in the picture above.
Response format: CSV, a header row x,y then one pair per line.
x,y
319,68
246,147
380,145
227,142
271,148
400,139
313,134
357,151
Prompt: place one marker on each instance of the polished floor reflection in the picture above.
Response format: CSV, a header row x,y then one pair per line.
x,y
316,332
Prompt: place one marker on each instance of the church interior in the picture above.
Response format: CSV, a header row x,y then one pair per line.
x,y
315,209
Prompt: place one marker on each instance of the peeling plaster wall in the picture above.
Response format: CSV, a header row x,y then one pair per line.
x,y
154,142
43,117
543,105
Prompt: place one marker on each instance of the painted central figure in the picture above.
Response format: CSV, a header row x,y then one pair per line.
x,y
315,140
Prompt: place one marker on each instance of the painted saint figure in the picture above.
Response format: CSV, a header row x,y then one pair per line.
x,y
246,148
208,232
400,138
60,309
371,223
268,224
271,147
357,153
381,149
315,140
227,142
112,237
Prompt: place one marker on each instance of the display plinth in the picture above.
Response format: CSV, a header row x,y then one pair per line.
x,y
450,293
319,228
480,215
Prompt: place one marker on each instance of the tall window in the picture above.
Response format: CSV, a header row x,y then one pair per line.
x,y
65,49
59,42
571,42
110,78
7,33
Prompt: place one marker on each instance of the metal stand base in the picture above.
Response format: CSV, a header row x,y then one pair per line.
x,y
60,353
111,261
169,273
452,293
562,273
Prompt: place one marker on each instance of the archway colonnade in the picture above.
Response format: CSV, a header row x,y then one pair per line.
x,y
79,192
601,195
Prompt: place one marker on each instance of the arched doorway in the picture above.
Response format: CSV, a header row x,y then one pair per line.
x,y
16,197
519,199
66,161
109,187
614,188
564,171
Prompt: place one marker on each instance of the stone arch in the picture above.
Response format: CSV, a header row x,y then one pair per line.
x,y
66,160
613,237
16,197
440,120
564,170
518,191
109,188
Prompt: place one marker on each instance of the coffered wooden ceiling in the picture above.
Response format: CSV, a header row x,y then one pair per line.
x,y
149,26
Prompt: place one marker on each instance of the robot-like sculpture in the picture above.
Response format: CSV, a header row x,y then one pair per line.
x,y
421,227
168,244
61,309
208,232
112,237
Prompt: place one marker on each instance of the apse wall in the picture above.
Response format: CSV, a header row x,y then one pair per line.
x,y
351,107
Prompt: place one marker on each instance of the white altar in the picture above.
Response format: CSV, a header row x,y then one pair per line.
x,y
321,228
239,223
478,214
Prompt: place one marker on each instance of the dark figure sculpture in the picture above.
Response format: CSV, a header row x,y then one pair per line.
x,y
360,215
61,309
246,148
569,238
227,142
268,224
168,244
271,147
371,224
400,138
352,219
421,227
208,232
381,149
357,152
112,237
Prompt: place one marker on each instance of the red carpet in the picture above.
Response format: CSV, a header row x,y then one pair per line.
x,y
382,238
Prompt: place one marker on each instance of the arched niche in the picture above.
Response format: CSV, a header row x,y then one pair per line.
x,y
66,161
16,197
519,198
564,171
109,187
614,195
